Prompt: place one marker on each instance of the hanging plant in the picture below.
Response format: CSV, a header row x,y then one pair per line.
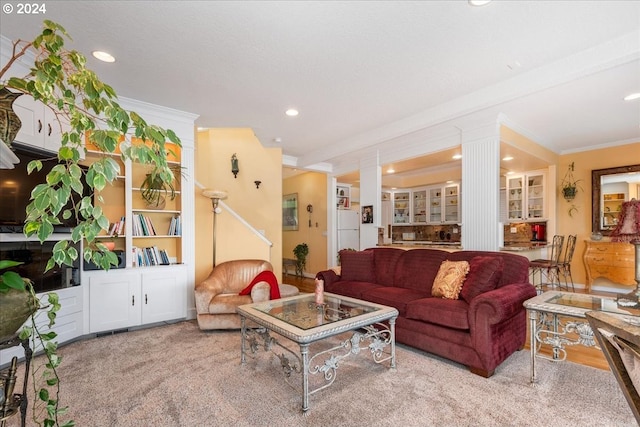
x,y
569,184
570,187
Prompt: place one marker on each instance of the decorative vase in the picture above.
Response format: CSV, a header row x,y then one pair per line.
x,y
159,203
10,123
16,307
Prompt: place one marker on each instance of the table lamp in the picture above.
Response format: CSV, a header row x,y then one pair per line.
x,y
628,230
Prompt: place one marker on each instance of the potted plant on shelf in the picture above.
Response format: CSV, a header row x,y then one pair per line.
x,y
58,78
301,251
155,188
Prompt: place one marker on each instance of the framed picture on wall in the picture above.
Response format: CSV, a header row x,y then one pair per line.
x,y
290,212
367,214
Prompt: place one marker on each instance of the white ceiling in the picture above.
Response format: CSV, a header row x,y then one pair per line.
x,y
364,75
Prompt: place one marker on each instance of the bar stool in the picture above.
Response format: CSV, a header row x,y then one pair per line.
x,y
549,268
565,265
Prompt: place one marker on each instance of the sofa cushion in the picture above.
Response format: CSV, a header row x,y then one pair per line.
x,y
449,279
484,275
417,268
394,297
357,265
385,260
444,312
351,289
516,267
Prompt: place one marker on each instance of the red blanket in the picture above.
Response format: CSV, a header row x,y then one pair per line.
x,y
265,276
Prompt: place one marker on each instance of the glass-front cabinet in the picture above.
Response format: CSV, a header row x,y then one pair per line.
x,y
444,204
526,196
402,207
420,208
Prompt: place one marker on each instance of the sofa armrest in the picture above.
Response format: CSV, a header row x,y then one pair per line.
x,y
206,290
261,292
500,304
329,277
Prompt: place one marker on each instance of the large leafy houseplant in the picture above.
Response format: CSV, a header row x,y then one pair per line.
x,y
60,80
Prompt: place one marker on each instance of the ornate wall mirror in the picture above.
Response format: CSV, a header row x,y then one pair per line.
x,y
610,188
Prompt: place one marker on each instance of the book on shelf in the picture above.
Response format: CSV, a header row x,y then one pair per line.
x,y
143,226
117,228
149,256
175,226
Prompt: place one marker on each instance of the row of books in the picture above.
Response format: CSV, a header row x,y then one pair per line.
x,y
117,228
143,226
175,227
148,257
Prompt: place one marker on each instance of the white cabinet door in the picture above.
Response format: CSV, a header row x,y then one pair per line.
x,y
31,114
40,126
164,295
114,300
53,129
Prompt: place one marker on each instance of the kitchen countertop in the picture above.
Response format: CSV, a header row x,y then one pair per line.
x,y
523,246
423,244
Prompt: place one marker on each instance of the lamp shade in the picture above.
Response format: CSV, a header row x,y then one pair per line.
x,y
215,194
628,228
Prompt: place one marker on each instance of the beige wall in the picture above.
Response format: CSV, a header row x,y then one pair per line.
x,y
261,208
312,189
580,222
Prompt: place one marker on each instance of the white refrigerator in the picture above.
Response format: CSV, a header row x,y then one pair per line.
x,y
348,226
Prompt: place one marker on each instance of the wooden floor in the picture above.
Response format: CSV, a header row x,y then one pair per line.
x,y
589,356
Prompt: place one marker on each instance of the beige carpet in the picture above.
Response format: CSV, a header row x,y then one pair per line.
x,y
176,375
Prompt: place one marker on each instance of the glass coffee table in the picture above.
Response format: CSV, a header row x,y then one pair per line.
x,y
304,322
547,317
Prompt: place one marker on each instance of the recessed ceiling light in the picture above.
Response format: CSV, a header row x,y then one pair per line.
x,y
479,2
510,173
449,182
391,170
291,112
277,140
507,158
632,96
103,56
456,156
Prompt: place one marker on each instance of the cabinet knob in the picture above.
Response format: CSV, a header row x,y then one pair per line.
x,y
39,126
133,300
145,298
49,132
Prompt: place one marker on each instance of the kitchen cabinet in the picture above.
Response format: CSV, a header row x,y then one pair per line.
x,y
343,196
40,127
401,207
444,204
419,209
118,301
612,260
526,194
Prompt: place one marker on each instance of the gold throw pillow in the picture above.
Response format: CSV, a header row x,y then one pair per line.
x,y
450,278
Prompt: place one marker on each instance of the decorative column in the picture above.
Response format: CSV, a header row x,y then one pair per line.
x,y
481,189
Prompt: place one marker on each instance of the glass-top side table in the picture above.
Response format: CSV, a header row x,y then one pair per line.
x,y
546,318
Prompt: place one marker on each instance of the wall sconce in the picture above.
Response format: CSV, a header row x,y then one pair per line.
x,y
257,183
234,165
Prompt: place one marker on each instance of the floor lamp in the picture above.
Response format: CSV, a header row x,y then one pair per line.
x,y
215,196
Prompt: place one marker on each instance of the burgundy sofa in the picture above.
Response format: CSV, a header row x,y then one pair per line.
x,y
480,329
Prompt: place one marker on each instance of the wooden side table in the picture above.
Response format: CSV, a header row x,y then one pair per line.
x,y
8,409
612,260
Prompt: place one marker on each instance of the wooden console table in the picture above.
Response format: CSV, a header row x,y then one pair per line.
x,y
612,260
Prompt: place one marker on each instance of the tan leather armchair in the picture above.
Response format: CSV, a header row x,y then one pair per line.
x,y
218,295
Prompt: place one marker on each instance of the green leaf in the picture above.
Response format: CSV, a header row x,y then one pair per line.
x,y
12,280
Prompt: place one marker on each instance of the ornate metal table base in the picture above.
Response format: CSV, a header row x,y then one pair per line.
x,y
376,339
546,328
